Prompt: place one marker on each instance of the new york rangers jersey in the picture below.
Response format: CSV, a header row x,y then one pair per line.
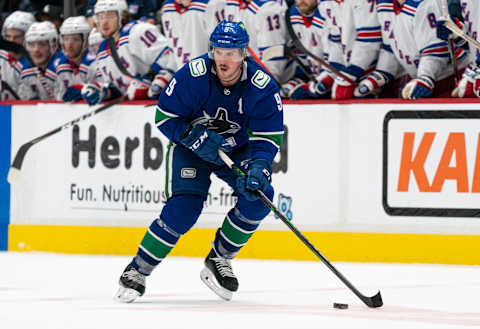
x,y
265,23
410,41
188,28
141,48
248,112
311,33
36,83
471,15
354,34
10,73
68,73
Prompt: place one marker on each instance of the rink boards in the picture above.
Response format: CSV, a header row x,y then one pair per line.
x,y
365,181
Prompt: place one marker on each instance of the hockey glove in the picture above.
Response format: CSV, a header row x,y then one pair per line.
x,y
137,90
325,83
258,178
288,88
372,83
93,95
421,87
305,91
159,83
205,144
443,32
469,84
73,93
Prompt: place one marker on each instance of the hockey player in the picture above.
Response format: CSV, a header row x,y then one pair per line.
x,y
142,49
188,24
38,78
469,84
219,101
94,40
410,43
265,22
75,65
13,30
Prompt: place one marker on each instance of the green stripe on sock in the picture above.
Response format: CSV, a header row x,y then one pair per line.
x,y
154,246
233,234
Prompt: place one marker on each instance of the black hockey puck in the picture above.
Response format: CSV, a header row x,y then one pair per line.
x,y
340,306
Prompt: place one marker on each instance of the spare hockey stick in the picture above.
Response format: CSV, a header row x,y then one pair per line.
x,y
14,171
16,48
451,44
302,48
281,50
6,86
455,29
374,301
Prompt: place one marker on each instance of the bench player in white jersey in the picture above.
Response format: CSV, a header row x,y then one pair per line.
x,y
469,84
142,49
75,65
307,23
188,24
353,44
13,30
95,38
265,23
37,79
410,43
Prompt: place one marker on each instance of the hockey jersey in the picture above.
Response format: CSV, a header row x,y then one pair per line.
x,y
36,83
410,41
248,112
9,73
471,13
141,48
68,73
188,28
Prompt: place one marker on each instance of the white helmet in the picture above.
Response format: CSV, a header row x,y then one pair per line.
x,y
43,31
19,20
94,37
75,25
111,5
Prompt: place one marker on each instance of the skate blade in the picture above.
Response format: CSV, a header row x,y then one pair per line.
x,y
209,279
126,295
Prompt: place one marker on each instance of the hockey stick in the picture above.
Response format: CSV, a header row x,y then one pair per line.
x,y
451,44
259,62
455,29
374,301
7,87
281,50
304,50
14,171
16,48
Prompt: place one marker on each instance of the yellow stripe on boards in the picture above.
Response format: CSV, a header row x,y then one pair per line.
x,y
335,246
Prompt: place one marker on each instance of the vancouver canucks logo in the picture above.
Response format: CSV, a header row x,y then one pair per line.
x,y
219,124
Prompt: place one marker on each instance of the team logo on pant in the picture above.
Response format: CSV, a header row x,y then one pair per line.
x,y
219,124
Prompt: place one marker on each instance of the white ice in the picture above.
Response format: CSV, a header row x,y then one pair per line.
x,y
53,291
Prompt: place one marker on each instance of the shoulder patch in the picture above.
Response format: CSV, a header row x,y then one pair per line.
x,y
260,79
197,67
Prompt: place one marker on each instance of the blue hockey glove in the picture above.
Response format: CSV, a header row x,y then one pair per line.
x,y
205,144
443,32
421,87
93,95
73,93
258,177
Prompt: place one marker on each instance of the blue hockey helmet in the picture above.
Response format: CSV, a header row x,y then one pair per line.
x,y
230,35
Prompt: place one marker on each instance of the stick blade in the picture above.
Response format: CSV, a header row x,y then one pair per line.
x,y
13,175
374,301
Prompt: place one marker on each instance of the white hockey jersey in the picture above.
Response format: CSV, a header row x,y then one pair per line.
x,y
410,41
471,17
141,48
68,73
188,29
311,33
36,83
265,23
10,74
354,34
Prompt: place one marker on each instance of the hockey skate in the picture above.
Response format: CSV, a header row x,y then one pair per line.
x,y
218,276
132,285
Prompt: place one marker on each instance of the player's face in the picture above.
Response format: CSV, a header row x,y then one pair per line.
x,y
39,51
228,65
16,36
72,45
306,7
108,23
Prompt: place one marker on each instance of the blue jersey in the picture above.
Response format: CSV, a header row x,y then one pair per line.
x,y
248,112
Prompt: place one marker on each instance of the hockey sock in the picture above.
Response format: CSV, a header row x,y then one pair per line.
x,y
234,233
155,246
